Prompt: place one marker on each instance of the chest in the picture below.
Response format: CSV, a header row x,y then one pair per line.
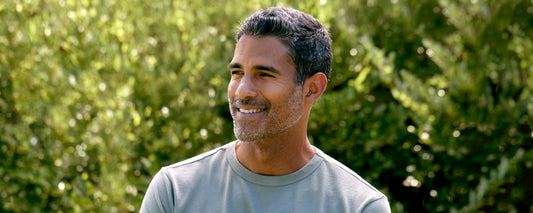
x,y
236,195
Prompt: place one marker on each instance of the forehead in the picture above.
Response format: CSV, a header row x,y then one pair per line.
x,y
264,50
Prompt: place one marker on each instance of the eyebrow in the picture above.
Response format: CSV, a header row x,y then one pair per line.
x,y
235,66
256,67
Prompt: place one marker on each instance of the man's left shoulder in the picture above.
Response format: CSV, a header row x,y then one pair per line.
x,y
345,184
346,178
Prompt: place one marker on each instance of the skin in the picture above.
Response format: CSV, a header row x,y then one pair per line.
x,y
272,136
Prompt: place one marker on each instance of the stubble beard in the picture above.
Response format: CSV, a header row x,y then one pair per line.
x,y
279,119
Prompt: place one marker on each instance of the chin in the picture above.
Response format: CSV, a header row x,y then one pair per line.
x,y
245,136
247,139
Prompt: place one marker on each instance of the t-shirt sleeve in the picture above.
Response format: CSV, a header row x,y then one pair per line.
x,y
158,197
378,206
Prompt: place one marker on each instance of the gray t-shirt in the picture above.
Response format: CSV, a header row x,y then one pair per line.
x,y
216,182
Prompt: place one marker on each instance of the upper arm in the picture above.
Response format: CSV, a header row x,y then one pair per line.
x,y
158,197
380,205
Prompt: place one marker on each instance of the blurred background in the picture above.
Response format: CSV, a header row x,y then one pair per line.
x,y
429,100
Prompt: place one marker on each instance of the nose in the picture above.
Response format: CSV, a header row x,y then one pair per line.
x,y
246,88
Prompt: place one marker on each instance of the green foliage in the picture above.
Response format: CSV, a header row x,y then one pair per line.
x,y
431,101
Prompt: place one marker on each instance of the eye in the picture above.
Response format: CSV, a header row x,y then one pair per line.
x,y
264,74
236,72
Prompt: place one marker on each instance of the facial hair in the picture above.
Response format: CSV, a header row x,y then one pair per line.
x,y
279,117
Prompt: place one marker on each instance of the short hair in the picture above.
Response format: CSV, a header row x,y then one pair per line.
x,y
308,41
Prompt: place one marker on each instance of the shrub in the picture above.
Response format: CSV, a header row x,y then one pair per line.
x,y
429,100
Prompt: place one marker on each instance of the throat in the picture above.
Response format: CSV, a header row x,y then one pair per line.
x,y
267,160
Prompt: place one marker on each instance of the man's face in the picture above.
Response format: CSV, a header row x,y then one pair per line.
x,y
263,96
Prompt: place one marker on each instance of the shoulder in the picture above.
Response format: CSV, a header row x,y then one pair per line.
x,y
201,158
193,165
349,185
344,173
172,182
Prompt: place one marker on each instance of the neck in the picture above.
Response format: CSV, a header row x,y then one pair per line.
x,y
280,155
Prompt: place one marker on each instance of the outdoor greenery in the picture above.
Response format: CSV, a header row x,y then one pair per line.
x,y
431,101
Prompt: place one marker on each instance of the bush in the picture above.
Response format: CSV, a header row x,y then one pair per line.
x,y
431,101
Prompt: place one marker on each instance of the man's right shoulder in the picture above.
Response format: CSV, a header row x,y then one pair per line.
x,y
183,178
201,160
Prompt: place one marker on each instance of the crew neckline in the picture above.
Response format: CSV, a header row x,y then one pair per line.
x,y
273,181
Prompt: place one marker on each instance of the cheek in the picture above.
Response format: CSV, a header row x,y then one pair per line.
x,y
278,96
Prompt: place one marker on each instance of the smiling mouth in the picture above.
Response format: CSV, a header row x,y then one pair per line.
x,y
249,111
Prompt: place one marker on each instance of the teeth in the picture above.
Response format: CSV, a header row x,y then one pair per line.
x,y
249,110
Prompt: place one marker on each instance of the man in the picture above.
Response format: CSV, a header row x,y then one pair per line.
x,y
279,69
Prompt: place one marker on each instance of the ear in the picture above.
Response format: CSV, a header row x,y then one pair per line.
x,y
314,87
